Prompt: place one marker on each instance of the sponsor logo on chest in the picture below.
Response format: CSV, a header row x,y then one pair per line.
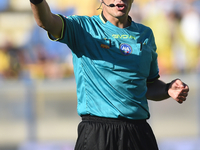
x,y
123,36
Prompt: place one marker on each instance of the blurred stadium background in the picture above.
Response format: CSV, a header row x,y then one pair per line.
x,y
37,86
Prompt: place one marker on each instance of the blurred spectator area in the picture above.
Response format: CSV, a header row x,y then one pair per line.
x,y
175,23
16,18
36,56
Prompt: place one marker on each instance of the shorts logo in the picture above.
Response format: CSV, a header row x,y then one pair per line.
x,y
125,49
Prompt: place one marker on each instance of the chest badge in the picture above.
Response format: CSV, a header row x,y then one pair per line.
x,y
125,49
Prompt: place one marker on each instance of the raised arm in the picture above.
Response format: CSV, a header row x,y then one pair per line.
x,y
159,90
45,19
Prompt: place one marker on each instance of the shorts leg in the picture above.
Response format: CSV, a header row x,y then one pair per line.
x,y
141,137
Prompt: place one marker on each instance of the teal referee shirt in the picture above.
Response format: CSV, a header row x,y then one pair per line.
x,y
111,66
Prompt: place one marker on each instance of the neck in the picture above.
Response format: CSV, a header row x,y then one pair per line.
x,y
121,22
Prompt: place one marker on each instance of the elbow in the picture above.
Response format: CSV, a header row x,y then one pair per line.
x,y
44,23
41,24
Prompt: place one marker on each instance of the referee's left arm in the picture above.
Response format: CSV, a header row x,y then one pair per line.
x,y
158,90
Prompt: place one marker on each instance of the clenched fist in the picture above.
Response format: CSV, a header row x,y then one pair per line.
x,y
178,90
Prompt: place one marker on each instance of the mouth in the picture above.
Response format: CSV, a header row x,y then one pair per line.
x,y
120,6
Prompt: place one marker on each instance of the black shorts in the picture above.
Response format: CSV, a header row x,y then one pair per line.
x,y
96,133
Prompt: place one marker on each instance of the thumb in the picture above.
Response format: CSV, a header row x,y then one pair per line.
x,y
177,83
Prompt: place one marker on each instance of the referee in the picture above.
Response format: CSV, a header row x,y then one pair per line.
x,y
116,71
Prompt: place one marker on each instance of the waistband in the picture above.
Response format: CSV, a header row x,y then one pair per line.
x,y
117,120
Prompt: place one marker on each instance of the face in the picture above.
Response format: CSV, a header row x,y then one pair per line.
x,y
121,9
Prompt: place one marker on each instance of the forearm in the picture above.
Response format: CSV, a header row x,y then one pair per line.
x,y
45,19
42,14
157,91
